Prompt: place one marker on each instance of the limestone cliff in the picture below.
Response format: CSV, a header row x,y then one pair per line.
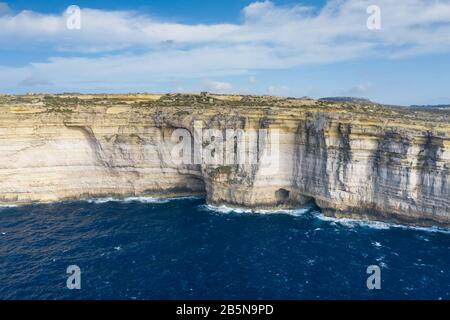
x,y
356,160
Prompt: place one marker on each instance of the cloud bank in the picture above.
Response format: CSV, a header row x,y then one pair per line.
x,y
127,50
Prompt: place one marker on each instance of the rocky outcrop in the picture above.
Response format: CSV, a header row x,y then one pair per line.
x,y
353,160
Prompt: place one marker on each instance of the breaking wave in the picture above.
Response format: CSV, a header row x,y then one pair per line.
x,y
346,222
226,210
138,199
351,223
6,206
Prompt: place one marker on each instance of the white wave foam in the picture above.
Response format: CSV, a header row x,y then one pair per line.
x,y
139,199
376,244
427,229
226,210
6,206
128,200
146,200
351,223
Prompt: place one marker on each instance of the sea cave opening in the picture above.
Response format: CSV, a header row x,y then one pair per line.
x,y
282,195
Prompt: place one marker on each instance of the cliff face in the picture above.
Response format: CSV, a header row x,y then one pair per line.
x,y
355,160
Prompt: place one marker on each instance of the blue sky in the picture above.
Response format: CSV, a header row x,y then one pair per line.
x,y
289,48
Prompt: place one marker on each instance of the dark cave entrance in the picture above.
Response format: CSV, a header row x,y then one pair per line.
x,y
282,196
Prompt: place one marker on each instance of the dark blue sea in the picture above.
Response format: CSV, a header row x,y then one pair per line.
x,y
183,249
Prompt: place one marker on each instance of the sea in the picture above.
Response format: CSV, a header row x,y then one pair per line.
x,y
146,248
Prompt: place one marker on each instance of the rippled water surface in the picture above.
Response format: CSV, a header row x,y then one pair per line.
x,y
183,249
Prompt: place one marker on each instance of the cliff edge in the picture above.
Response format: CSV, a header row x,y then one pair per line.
x,y
353,160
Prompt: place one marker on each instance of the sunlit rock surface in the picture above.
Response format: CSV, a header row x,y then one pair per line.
x,y
358,160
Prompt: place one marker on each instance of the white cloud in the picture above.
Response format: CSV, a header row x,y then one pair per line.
x,y
293,29
127,49
360,89
105,30
278,90
34,82
218,86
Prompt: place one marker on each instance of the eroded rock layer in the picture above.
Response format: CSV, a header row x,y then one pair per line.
x,y
353,160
